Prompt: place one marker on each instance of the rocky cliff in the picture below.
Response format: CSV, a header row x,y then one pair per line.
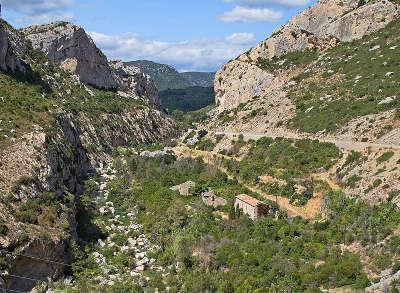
x,y
69,46
321,26
55,132
11,51
131,79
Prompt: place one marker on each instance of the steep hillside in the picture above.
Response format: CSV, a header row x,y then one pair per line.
x,y
320,27
187,91
72,49
331,74
56,130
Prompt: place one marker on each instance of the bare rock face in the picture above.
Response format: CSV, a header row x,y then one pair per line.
x,y
71,48
249,82
132,80
321,26
11,50
325,22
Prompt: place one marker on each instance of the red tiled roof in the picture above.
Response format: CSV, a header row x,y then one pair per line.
x,y
248,199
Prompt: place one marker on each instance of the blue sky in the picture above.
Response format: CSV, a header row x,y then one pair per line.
x,y
198,35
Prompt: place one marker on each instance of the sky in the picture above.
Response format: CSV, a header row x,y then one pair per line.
x,y
196,35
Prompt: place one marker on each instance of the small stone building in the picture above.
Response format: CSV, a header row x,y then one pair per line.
x,y
210,199
251,206
184,188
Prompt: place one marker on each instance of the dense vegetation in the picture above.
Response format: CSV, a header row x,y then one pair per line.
x,y
350,80
189,119
205,253
289,163
188,99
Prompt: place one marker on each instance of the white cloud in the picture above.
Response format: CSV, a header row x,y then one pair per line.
x,y
260,3
240,38
197,55
39,11
246,14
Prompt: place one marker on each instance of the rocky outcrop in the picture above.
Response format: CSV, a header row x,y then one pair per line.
x,y
318,27
69,46
37,260
132,80
11,50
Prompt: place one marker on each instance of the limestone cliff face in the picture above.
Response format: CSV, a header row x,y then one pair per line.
x,y
318,27
69,46
132,80
11,50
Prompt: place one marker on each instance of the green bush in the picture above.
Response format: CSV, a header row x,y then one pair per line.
x,y
382,261
3,228
205,145
352,181
385,157
44,209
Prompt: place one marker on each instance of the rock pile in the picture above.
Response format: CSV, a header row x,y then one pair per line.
x,y
120,225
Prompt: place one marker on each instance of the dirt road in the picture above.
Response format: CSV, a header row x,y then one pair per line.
x,y
342,144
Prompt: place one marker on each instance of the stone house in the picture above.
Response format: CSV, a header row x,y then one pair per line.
x,y
251,206
184,188
210,199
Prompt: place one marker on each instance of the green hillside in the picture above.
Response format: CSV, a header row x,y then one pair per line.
x,y
350,80
188,99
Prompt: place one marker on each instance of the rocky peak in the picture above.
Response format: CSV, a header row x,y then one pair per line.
x,y
70,47
132,80
12,50
325,21
321,26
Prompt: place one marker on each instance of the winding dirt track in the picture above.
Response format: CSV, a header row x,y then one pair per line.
x,y
342,144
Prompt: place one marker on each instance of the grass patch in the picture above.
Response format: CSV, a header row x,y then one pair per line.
x,y
299,58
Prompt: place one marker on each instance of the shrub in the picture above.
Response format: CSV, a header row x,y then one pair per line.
x,y
205,145
44,208
382,261
395,244
385,157
352,181
3,228
376,183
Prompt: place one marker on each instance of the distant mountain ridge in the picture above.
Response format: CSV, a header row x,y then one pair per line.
x,y
167,77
